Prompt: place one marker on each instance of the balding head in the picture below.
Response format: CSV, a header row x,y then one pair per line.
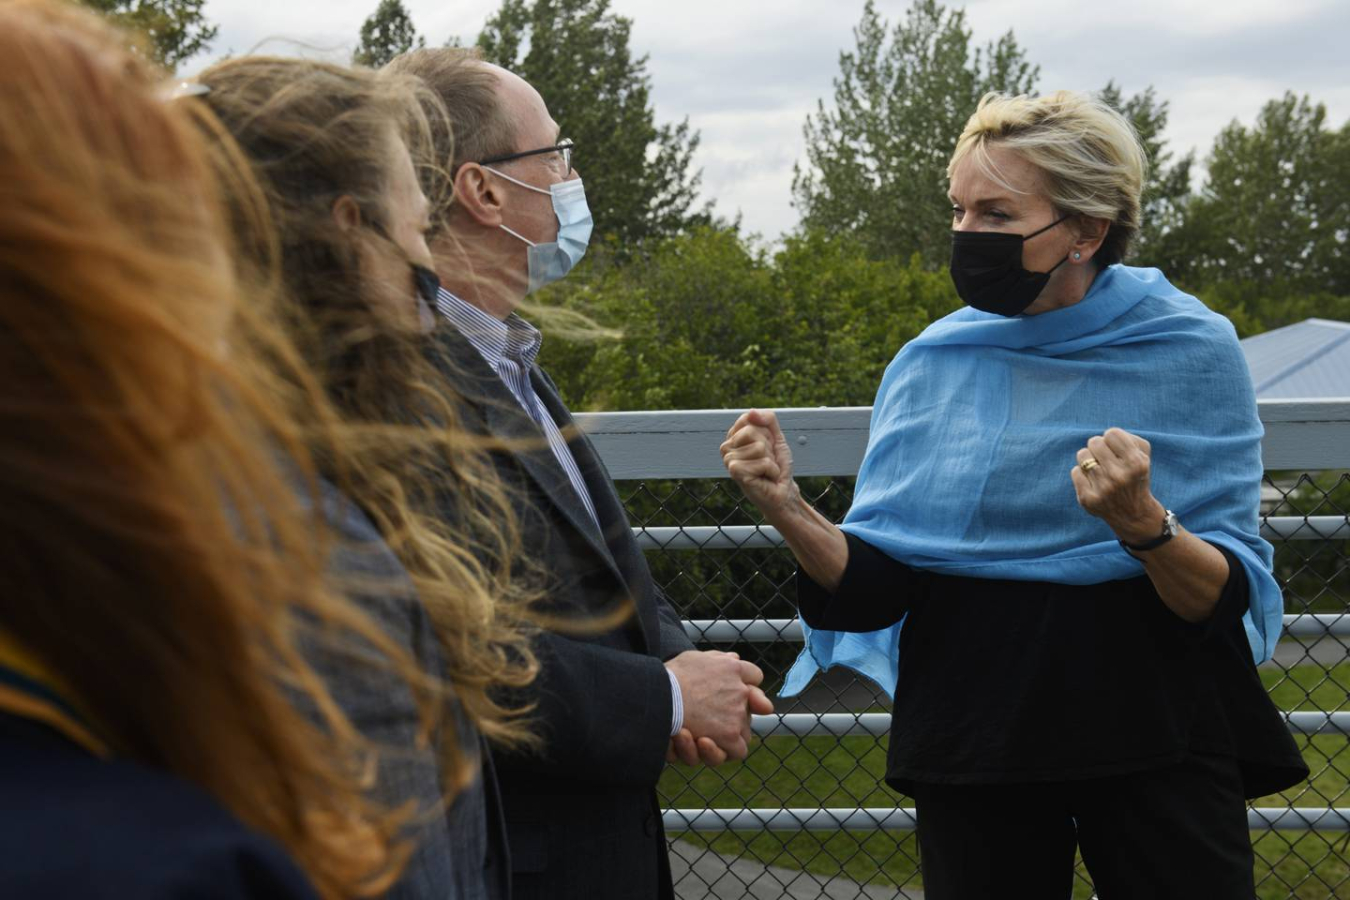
x,y
485,124
480,225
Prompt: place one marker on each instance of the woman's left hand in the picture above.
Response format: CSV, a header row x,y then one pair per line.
x,y
1112,482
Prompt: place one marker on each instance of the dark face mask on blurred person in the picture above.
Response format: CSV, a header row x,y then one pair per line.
x,y
426,283
987,270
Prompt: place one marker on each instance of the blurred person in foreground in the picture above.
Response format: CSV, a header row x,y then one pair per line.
x,y
581,810
334,149
161,733
1053,553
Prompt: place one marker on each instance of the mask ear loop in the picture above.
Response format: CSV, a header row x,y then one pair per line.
x,y
375,225
528,187
517,236
417,268
1063,218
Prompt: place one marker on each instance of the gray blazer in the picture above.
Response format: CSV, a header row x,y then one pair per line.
x,y
460,853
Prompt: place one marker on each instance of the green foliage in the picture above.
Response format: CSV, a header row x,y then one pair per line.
x,y
1276,209
386,33
709,320
1168,184
175,30
639,177
876,162
1313,573
1257,306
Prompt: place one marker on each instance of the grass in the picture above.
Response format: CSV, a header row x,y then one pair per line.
x,y
1302,864
847,772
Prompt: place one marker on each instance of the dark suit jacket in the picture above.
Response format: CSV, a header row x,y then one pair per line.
x,y
582,816
76,827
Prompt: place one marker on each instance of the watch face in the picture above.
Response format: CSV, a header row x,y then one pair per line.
x,y
1171,525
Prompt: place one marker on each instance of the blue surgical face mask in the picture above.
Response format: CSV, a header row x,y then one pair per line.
x,y
549,262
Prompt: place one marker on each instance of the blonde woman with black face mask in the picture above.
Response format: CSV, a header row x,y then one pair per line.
x,y
1053,556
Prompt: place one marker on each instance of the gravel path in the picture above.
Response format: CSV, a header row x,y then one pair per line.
x,y
1327,651
704,875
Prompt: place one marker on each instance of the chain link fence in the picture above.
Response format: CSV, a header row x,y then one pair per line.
x,y
807,814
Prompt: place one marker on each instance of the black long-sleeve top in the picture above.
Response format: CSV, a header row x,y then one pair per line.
x,y
1026,681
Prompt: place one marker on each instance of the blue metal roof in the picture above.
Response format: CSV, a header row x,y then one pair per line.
x,y
1307,360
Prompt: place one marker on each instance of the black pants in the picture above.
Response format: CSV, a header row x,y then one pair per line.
x,y
1178,832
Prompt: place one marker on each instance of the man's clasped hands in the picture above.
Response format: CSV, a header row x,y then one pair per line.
x,y
720,691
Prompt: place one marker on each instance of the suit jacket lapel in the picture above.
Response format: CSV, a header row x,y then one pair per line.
x,y
507,420
618,534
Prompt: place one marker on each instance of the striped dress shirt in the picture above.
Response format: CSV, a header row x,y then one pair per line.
x,y
510,349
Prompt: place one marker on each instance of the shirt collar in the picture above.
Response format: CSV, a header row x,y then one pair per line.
x,y
30,690
514,339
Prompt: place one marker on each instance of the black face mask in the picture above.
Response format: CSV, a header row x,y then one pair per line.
x,y
987,270
428,284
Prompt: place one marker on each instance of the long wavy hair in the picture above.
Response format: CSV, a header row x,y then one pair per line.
x,y
163,554
316,132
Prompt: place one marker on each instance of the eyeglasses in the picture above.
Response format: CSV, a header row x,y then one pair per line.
x,y
564,149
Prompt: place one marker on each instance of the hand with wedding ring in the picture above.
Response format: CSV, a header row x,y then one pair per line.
x,y
1111,479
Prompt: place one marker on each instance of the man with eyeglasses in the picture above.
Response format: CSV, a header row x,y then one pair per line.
x,y
611,708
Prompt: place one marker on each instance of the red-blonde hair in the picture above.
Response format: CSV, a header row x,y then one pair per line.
x,y
161,553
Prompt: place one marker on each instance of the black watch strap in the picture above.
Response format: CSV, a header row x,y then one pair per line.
x,y
1170,527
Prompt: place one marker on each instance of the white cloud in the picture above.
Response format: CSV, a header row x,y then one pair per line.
x,y
1200,19
747,74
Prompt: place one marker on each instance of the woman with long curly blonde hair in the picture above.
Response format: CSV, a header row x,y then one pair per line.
x,y
335,149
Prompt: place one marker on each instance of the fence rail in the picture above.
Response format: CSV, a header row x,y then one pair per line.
x,y
903,819
767,631
760,537
640,448
878,724
1300,434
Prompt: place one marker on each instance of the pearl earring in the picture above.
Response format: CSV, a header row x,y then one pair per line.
x,y
1078,256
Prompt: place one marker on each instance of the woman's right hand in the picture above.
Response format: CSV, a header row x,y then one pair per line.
x,y
758,458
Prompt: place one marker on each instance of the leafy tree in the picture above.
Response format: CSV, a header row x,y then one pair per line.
x,y
386,33
175,30
1168,185
711,320
876,162
1275,210
1258,306
639,176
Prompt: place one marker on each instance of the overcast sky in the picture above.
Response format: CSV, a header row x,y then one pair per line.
x,y
748,73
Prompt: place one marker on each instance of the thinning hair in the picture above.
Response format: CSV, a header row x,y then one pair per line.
x,y
476,126
1088,154
467,89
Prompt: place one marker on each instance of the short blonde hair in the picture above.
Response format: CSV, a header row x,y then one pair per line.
x,y
1088,152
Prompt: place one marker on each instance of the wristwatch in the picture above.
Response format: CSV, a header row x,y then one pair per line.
x,y
1170,528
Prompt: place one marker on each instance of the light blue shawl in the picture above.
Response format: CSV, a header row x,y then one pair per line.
x,y
975,429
